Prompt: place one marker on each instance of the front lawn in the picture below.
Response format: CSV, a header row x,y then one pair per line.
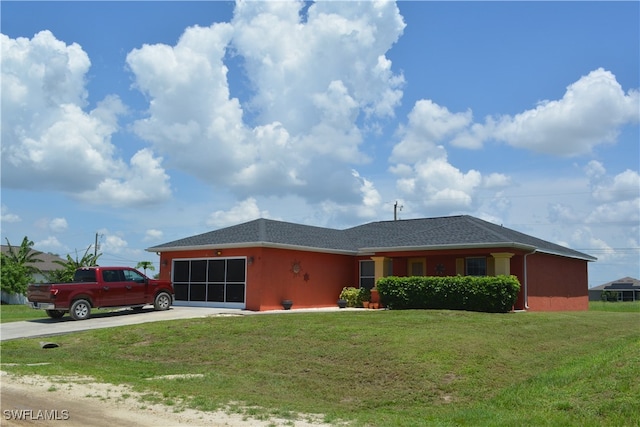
x,y
18,312
377,368
627,306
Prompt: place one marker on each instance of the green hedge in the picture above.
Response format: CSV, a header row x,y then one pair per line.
x,y
493,294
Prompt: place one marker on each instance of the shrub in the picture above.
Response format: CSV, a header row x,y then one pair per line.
x,y
351,295
365,294
474,293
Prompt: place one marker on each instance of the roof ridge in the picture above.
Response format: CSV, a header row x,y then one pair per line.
x,y
425,230
482,224
262,229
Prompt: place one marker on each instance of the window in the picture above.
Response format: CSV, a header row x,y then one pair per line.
x,y
133,276
367,274
84,275
476,266
417,266
112,276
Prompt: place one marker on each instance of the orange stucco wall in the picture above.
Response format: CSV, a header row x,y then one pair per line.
x,y
272,277
317,284
554,283
557,283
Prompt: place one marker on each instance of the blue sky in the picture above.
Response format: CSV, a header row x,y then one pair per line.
x,y
145,122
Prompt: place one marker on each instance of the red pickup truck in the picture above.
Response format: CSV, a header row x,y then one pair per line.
x,y
99,287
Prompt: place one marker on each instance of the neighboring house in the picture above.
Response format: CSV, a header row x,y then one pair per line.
x,y
46,266
258,264
626,289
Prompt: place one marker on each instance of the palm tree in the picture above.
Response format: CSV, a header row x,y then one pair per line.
x,y
24,256
17,267
71,265
146,265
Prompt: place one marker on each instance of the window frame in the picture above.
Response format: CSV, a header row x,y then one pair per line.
x,y
475,270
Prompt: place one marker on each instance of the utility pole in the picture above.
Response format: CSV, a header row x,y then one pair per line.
x,y
95,247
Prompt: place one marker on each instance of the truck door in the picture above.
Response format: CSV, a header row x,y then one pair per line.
x,y
113,289
135,288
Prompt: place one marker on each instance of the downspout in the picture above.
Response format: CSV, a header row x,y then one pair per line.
x,y
526,279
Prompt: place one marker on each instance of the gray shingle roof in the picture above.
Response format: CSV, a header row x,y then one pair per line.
x,y
47,263
633,283
426,233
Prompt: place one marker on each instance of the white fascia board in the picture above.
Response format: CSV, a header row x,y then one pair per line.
x,y
446,247
584,258
367,251
252,245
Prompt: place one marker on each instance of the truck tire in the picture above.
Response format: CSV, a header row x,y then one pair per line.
x,y
55,314
162,301
80,309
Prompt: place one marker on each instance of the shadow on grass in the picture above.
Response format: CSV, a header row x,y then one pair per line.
x,y
98,314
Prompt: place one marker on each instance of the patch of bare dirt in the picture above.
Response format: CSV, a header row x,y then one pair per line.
x,y
81,402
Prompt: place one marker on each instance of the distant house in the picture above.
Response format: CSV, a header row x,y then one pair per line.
x,y
257,264
625,289
46,266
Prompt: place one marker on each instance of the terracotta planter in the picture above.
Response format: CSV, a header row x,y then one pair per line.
x,y
374,305
365,304
375,297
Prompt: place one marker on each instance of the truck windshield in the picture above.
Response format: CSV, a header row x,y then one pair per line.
x,y
84,276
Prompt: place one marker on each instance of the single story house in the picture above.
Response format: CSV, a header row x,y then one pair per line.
x,y
257,264
46,266
625,289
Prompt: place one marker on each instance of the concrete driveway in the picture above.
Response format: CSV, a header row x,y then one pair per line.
x,y
49,327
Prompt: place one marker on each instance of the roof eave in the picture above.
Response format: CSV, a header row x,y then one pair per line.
x,y
251,245
447,247
583,257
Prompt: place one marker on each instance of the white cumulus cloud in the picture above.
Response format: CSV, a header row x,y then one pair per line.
x,y
48,139
244,211
7,216
58,225
316,77
152,235
591,113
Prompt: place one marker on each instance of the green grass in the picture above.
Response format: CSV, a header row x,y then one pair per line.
x,y
20,312
15,313
621,307
377,368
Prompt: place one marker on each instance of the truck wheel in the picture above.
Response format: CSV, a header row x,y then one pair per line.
x,y
55,314
162,301
80,309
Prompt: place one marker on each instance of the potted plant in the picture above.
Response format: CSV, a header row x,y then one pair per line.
x,y
286,304
364,297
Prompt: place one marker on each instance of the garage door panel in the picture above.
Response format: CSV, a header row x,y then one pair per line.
x,y
216,293
235,293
